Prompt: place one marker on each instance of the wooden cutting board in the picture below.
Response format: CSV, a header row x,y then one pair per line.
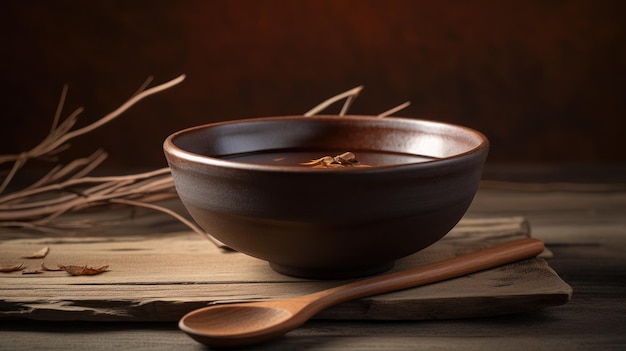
x,y
158,276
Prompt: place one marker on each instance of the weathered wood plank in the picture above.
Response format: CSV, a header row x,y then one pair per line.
x,y
161,277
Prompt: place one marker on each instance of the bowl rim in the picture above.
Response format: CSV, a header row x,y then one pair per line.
x,y
171,149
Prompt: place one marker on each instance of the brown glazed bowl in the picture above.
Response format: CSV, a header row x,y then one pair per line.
x,y
241,181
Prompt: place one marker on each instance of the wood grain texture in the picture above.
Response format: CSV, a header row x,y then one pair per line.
x,y
162,277
585,230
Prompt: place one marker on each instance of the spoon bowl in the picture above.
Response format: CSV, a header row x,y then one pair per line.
x,y
240,324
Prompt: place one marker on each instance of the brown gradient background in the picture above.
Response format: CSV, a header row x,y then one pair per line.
x,y
544,80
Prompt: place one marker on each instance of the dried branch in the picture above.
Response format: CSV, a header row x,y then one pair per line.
x,y
350,96
79,192
68,188
394,110
77,168
62,133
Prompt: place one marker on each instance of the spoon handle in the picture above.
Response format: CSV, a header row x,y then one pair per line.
x,y
450,268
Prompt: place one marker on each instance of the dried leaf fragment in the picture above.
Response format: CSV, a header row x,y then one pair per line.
x,y
38,254
13,268
83,270
46,268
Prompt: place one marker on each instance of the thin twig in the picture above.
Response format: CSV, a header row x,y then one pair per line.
x,y
144,85
394,110
19,162
350,93
125,106
180,218
57,114
347,104
59,172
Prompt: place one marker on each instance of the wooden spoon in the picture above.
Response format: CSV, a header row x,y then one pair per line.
x,y
239,324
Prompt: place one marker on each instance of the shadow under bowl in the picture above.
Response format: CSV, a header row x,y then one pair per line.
x,y
243,183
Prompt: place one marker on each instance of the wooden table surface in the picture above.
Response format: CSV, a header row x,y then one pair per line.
x,y
580,214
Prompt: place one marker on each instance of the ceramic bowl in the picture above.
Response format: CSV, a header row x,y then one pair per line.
x,y
243,182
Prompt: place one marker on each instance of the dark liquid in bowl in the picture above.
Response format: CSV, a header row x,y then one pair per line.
x,y
297,157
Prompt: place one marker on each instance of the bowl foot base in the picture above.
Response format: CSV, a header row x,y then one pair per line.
x,y
338,273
